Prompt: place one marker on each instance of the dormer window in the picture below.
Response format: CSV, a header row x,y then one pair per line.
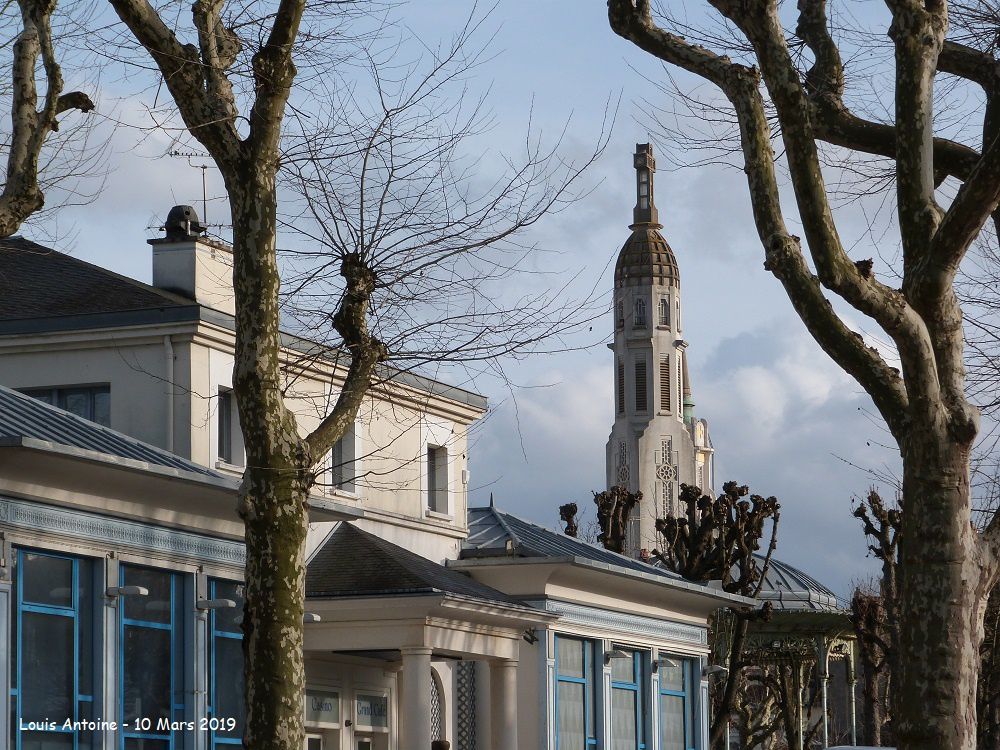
x,y
640,314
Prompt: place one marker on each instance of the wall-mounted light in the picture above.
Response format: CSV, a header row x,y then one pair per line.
x,y
115,591
311,617
714,669
215,604
616,653
530,637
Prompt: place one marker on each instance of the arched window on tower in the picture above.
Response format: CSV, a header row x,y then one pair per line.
x,y
664,311
640,314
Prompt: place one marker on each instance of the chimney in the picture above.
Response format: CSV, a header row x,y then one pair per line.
x,y
194,266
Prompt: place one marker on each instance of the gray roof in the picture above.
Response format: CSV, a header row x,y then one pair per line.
x,y
43,290
354,563
38,282
490,530
789,589
23,417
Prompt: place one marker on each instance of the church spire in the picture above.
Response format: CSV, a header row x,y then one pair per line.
x,y
645,166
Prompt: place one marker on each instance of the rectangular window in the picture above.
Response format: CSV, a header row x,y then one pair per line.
x,y
344,461
620,315
92,402
225,664
52,649
675,684
151,654
680,387
225,416
628,700
621,387
664,382
641,386
664,311
576,708
437,478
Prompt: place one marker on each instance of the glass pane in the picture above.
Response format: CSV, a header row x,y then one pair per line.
x,y
623,729
76,402
134,743
85,604
672,722
47,580
671,674
229,683
622,667
47,674
228,620
46,741
146,654
569,657
314,743
152,608
570,716
102,406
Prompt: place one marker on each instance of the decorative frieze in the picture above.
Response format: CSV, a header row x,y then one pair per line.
x,y
638,625
115,532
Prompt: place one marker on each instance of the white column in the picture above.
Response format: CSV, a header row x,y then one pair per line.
x,y
415,714
483,732
503,704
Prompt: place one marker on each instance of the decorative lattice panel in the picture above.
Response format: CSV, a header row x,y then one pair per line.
x,y
465,706
437,711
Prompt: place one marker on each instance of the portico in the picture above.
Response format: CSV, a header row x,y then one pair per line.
x,y
383,604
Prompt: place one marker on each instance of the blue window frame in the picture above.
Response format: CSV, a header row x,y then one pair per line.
x,y
575,699
52,664
225,664
151,654
675,677
628,700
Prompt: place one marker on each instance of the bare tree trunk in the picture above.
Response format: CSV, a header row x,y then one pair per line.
x,y
276,481
941,578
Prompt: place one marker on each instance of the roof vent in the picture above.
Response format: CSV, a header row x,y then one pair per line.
x,y
183,224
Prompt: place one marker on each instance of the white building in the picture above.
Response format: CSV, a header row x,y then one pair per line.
x,y
656,443
122,549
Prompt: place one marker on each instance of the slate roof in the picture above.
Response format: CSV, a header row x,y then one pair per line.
x,y
353,563
790,589
38,282
491,529
26,417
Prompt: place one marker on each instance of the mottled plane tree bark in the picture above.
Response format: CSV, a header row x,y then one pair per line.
x,y
947,567
233,88
31,122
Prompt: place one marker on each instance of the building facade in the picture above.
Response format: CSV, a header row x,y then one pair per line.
x,y
122,558
656,443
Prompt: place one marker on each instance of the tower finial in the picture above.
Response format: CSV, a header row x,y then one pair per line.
x,y
645,166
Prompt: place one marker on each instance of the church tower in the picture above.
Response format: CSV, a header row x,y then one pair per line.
x,y
656,443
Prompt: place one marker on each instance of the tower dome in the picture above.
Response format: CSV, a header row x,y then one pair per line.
x,y
646,258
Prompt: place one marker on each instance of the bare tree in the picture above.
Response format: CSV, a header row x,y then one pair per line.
x,y
32,123
614,507
719,539
376,254
947,568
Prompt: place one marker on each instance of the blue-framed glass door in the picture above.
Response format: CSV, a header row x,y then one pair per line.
x,y
225,666
52,686
151,654
628,700
575,706
675,677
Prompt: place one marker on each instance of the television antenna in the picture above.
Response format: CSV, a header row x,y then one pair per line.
x,y
204,184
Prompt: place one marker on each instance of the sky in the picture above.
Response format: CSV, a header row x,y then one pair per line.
x,y
784,419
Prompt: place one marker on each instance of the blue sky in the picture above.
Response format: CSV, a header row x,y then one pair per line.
x,y
781,414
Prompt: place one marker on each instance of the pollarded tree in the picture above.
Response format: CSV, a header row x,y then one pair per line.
x,y
720,539
947,567
31,124
404,227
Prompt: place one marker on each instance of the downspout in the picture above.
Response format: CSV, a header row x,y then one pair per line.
x,y
168,356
